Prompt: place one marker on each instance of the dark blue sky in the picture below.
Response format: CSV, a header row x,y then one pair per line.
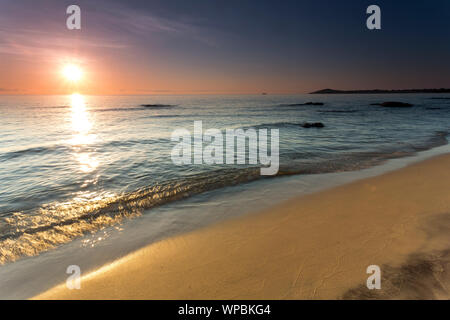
x,y
235,46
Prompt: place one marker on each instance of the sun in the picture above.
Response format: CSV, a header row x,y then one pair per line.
x,y
72,72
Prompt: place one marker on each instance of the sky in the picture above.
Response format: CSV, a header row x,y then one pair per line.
x,y
223,47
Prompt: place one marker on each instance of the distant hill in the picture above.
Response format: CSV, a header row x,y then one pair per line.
x,y
332,91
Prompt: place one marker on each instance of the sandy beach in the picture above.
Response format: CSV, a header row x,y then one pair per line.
x,y
316,246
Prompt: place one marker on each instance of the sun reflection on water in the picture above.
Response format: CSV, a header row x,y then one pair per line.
x,y
81,126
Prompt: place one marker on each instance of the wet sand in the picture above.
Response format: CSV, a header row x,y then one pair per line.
x,y
316,246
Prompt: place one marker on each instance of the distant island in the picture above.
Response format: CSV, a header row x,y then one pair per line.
x,y
332,91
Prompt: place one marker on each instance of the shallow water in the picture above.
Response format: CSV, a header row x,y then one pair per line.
x,y
71,165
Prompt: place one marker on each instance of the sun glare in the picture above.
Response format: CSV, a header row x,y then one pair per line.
x,y
81,125
72,73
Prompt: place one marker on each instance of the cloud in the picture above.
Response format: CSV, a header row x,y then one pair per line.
x,y
113,28
142,24
26,43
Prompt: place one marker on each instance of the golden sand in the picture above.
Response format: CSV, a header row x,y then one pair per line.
x,y
312,247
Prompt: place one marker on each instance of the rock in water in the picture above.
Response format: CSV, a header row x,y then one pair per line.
x,y
313,104
313,125
393,104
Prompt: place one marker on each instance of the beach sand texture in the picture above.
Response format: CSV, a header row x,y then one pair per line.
x,y
312,247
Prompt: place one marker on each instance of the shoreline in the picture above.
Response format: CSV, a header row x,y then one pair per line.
x,y
315,246
382,91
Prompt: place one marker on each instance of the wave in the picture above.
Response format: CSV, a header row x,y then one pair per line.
x,y
50,107
45,150
338,111
134,108
31,232
139,108
349,161
274,125
61,148
301,104
117,109
158,106
30,151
